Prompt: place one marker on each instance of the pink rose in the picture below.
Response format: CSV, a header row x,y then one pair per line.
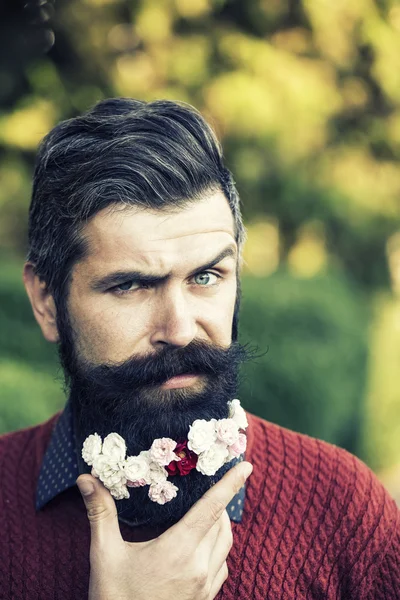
x,y
238,447
162,451
227,431
162,492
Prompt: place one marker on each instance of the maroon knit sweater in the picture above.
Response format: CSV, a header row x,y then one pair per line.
x,y
317,524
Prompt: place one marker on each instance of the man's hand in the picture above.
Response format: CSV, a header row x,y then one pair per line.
x,y
188,561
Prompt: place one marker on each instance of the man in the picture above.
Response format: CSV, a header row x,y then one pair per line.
x,y
135,239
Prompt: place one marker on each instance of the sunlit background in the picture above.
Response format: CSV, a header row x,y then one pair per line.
x,y
305,96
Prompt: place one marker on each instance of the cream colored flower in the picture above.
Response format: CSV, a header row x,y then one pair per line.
x,y
157,473
201,435
162,451
212,459
227,431
238,448
137,468
119,492
237,413
109,471
91,448
114,446
162,492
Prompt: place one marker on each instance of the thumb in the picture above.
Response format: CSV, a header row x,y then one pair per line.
x,y
101,511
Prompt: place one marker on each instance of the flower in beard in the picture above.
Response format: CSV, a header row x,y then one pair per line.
x,y
237,413
110,473
212,459
137,470
114,447
157,473
108,466
227,431
162,451
187,460
162,492
201,435
238,448
119,492
91,448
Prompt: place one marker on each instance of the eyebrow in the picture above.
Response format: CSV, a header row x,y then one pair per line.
x,y
113,279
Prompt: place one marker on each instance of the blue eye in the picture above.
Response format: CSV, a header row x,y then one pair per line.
x,y
127,286
205,279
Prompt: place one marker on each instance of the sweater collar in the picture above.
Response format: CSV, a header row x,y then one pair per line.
x,y
59,470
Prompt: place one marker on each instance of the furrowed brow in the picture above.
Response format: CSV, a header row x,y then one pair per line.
x,y
229,251
113,279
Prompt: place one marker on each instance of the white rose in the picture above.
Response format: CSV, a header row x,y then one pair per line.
x,y
119,492
212,459
114,446
227,431
157,473
162,451
162,492
201,435
91,448
109,471
237,413
137,468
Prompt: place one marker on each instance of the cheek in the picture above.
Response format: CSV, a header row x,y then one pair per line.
x,y
105,335
218,316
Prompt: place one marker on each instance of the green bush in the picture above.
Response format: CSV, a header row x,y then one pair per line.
x,y
28,396
312,375
30,380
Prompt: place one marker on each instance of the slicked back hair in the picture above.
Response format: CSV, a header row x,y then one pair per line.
x,y
157,155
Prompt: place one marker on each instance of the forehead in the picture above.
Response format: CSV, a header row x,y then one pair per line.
x,y
158,238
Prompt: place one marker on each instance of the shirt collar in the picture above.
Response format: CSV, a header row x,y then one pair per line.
x,y
59,470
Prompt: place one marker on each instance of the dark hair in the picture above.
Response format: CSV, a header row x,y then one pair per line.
x,y
159,155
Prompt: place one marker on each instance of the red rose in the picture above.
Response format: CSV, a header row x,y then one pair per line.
x,y
186,464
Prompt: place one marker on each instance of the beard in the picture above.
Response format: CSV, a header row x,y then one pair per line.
x,y
128,399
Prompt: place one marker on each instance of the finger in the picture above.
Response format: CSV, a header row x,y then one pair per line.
x,y
219,580
222,546
101,511
210,539
205,513
207,544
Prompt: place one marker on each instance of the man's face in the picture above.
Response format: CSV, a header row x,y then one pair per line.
x,y
153,279
147,345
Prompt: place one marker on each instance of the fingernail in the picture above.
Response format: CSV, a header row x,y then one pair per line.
x,y
247,469
85,487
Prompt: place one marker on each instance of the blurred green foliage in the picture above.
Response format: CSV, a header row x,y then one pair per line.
x,y
312,335
304,96
31,385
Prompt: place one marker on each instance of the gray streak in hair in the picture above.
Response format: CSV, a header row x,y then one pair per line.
x,y
157,155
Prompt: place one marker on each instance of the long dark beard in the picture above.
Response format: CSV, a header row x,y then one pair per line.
x,y
127,399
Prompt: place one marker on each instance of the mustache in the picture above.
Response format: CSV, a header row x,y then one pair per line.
x,y
198,358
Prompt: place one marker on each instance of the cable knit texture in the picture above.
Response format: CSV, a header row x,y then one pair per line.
x,y
317,524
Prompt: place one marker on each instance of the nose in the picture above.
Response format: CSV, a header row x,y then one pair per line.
x,y
174,323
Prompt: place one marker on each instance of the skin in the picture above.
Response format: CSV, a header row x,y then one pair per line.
x,y
188,561
112,326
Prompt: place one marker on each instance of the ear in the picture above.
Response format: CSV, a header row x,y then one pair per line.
x,y
42,302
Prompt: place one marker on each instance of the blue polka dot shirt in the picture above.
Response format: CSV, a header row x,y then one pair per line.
x,y
59,470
